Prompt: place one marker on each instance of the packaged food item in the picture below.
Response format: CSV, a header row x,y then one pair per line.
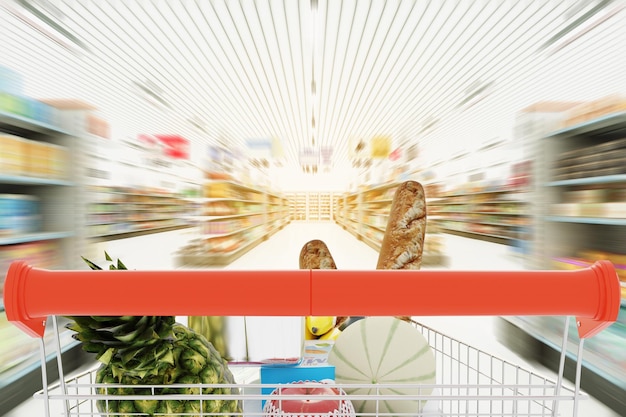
x,y
19,214
12,155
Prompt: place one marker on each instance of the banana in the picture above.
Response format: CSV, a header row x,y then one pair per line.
x,y
332,334
318,325
308,335
316,255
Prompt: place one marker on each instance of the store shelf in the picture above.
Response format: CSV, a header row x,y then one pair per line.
x,y
587,220
254,215
365,215
121,212
483,236
604,179
580,220
40,165
33,237
23,180
482,208
528,341
600,126
135,233
16,124
312,206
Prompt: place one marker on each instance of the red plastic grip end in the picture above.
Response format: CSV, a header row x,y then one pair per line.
x,y
608,308
14,301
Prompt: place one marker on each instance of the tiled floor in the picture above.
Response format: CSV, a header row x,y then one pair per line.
x,y
282,250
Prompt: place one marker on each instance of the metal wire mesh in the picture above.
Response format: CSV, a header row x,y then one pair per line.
x,y
470,382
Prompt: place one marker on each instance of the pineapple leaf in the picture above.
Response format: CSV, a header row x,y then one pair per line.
x,y
106,357
91,264
107,257
120,265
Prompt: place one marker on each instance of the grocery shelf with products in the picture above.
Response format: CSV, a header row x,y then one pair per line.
x,y
140,193
234,218
119,212
581,180
489,200
38,189
365,214
312,206
298,206
500,216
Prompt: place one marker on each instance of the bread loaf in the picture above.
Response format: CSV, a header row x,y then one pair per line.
x,y
403,242
315,255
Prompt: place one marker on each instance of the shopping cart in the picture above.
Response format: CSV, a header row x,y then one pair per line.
x,y
469,381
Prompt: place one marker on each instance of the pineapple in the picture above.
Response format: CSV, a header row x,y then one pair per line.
x,y
153,350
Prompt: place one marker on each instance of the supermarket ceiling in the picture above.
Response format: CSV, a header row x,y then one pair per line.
x,y
326,82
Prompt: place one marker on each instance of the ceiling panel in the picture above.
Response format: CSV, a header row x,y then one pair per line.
x,y
311,73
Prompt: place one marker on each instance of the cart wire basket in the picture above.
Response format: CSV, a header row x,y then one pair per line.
x,y
469,381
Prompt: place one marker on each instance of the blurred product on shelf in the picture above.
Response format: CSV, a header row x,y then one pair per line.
x,y
115,211
604,106
77,117
98,126
594,200
586,257
233,219
28,108
541,117
19,214
593,160
500,216
42,254
20,156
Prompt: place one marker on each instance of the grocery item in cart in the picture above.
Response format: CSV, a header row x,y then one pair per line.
x,y
403,243
310,398
384,350
316,255
155,350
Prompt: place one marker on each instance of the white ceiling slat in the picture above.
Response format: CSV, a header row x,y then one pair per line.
x,y
330,92
282,54
434,89
275,65
459,79
267,66
133,69
376,48
395,106
244,68
182,58
227,70
360,20
429,15
254,68
391,78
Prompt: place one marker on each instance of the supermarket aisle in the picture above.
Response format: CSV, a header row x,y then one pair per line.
x,y
281,251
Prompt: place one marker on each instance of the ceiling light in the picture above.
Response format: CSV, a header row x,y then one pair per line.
x,y
576,23
46,16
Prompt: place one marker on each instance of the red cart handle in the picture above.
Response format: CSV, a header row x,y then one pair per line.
x,y
591,294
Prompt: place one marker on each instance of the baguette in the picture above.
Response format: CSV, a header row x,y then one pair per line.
x,y
315,255
403,242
